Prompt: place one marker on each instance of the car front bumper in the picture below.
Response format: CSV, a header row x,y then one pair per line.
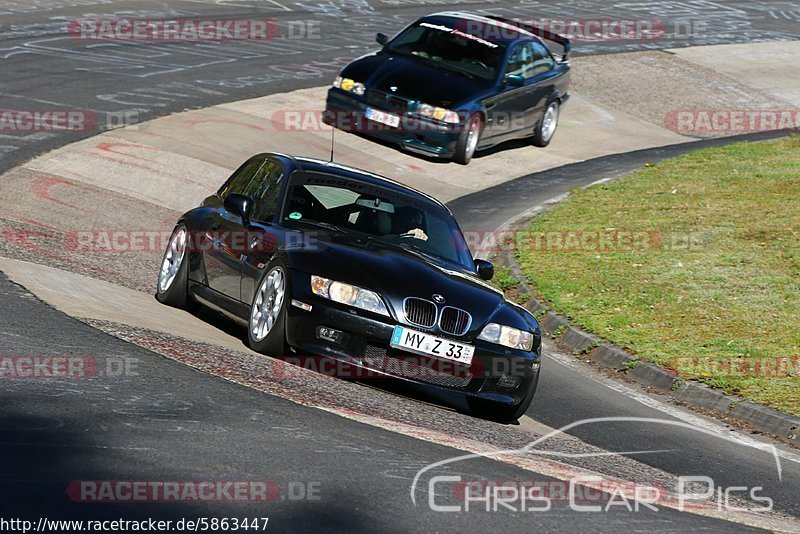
x,y
347,112
496,374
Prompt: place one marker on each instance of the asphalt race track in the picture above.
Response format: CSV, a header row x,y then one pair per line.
x,y
165,421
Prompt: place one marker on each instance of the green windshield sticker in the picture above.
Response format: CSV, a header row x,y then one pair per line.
x,y
295,215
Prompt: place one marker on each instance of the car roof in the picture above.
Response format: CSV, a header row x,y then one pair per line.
x,y
304,163
507,27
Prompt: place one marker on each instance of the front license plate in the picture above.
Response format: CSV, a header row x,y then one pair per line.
x,y
383,117
422,343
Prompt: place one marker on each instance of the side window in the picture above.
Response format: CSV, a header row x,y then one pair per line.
x,y
542,59
240,179
520,61
264,190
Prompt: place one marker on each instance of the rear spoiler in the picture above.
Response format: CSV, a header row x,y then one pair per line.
x,y
542,33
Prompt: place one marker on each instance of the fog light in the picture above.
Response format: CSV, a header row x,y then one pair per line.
x,y
326,333
508,381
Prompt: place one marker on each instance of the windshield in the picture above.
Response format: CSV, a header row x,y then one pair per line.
x,y
450,48
409,222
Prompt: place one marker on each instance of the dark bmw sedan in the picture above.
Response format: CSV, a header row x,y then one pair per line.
x,y
318,259
453,83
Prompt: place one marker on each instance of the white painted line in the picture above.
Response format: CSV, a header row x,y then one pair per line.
x,y
279,5
50,102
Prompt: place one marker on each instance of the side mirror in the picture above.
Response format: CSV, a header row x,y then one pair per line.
x,y
382,39
240,205
485,269
515,80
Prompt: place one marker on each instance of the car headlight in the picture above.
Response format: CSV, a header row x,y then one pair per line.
x,y
348,294
440,114
351,86
507,336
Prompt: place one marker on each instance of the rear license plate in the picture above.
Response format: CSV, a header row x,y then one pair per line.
x,y
382,117
422,343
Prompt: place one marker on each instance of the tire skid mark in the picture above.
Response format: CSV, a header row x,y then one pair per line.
x,y
42,185
194,123
204,148
118,188
110,147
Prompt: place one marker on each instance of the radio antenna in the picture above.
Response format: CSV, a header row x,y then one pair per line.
x,y
333,133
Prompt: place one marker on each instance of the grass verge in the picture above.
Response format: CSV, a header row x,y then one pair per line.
x,y
693,264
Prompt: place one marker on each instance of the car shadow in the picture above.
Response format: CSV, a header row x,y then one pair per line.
x,y
513,144
48,451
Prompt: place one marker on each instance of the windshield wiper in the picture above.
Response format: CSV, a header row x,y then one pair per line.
x,y
397,52
410,247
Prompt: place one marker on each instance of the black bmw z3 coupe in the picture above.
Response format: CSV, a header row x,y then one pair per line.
x,y
319,259
453,83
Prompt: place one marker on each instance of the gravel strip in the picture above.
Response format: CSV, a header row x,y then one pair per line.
x,y
653,84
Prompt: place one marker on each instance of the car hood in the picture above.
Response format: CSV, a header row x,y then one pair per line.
x,y
397,274
415,79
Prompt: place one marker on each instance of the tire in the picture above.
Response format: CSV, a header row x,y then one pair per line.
x,y
546,129
173,279
468,141
268,335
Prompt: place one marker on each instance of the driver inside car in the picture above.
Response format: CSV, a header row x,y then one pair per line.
x,y
409,221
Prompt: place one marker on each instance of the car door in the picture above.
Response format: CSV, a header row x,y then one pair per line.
x,y
511,112
543,80
224,233
264,234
